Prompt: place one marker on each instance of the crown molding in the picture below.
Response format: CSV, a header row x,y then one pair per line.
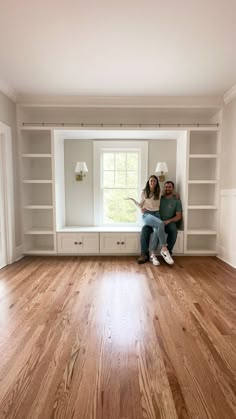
x,y
8,90
121,101
230,95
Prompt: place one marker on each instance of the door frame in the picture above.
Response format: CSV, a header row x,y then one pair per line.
x,y
7,191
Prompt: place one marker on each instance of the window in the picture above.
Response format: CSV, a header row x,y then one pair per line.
x,y
120,178
118,173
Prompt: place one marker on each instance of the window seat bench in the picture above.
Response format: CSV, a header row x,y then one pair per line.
x,y
92,240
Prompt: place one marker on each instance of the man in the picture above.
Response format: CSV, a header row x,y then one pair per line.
x,y
171,214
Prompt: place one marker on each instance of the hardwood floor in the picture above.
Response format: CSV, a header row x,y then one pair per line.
x,y
106,338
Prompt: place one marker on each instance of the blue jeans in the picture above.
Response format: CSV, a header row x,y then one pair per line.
x,y
171,231
152,219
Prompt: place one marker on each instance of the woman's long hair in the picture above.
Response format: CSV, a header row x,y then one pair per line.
x,y
157,189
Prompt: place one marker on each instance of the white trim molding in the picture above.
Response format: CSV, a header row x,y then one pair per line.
x,y
182,102
7,90
98,147
227,237
230,95
19,254
7,191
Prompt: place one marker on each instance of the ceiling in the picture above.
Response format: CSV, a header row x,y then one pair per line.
x,y
118,48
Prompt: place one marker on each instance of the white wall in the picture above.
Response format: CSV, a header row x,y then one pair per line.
x,y
162,150
227,238
117,115
80,195
8,117
228,148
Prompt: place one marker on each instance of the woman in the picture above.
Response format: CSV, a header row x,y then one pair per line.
x,y
150,205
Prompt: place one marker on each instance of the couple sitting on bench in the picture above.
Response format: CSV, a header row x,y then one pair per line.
x,y
160,215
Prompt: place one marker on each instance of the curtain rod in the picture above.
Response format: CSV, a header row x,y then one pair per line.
x,y
101,125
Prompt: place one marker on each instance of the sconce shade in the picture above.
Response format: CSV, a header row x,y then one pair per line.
x,y
161,167
81,166
80,170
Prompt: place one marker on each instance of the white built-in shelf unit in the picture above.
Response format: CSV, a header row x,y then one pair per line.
x,y
42,130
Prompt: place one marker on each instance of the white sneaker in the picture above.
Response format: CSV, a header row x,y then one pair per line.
x,y
154,260
167,257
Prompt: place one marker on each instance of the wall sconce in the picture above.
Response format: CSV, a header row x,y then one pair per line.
x,y
80,170
161,168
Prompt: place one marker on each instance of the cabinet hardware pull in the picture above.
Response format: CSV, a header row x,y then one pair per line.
x,y
80,242
122,242
118,242
75,243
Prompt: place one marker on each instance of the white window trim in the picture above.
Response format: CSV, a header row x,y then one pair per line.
x,y
98,147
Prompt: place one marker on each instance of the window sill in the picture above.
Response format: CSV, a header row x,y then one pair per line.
x,y
100,229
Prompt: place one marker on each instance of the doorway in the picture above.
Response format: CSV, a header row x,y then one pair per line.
x,y
7,225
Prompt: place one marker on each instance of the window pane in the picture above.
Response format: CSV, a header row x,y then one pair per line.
x,y
108,161
117,209
132,161
120,179
120,159
132,179
108,178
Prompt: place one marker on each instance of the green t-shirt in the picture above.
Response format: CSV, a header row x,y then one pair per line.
x,y
169,207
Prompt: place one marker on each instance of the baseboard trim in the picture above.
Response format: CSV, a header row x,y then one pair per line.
x,y
19,253
226,261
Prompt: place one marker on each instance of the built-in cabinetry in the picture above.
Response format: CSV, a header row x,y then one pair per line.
x,y
201,213
124,243
37,191
78,243
104,242
43,197
179,244
95,243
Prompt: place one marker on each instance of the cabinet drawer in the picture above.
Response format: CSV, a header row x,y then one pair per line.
x,y
78,243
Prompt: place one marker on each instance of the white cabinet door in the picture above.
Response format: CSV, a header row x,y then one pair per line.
x,y
179,244
110,242
78,243
130,243
126,243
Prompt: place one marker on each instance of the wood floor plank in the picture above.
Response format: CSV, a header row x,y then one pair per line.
x,y
106,338
176,295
